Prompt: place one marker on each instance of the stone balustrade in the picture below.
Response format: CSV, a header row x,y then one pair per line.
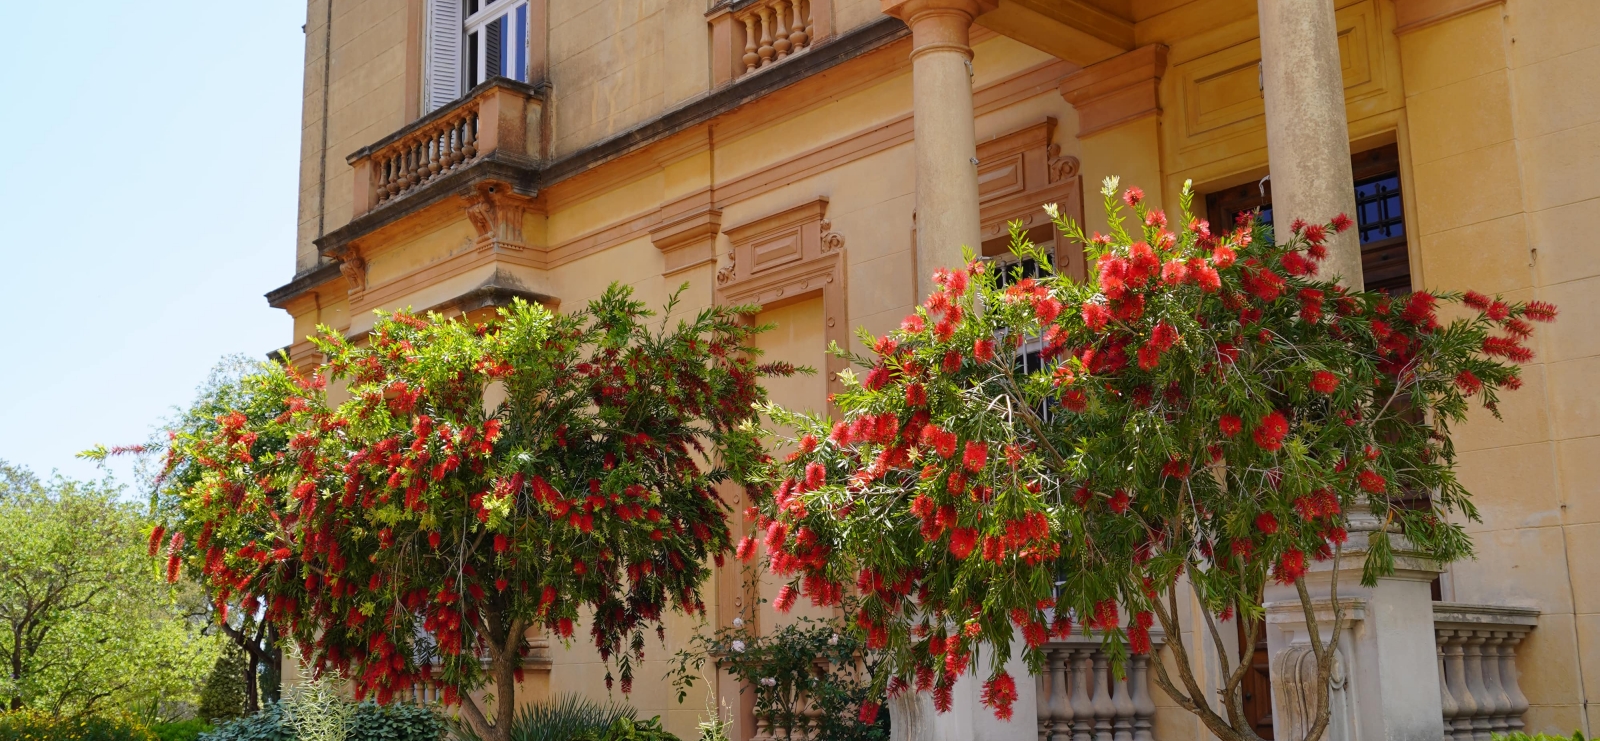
x,y
1477,649
773,30
500,115
1080,697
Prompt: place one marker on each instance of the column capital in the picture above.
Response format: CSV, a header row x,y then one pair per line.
x,y
939,24
1117,90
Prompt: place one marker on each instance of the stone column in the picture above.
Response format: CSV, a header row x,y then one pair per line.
x,y
946,142
1308,138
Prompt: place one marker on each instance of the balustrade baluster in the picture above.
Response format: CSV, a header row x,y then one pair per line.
x,y
470,134
1509,680
1466,705
1104,709
1041,705
433,154
1082,701
766,50
1122,701
1447,699
1482,705
1144,707
751,58
780,39
1500,706
1059,703
798,34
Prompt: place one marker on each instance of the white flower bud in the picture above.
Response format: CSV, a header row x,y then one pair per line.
x,y
738,622
738,647
1053,210
1109,187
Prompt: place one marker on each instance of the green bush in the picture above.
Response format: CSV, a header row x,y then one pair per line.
x,y
1520,736
183,730
223,696
562,719
628,729
29,725
371,722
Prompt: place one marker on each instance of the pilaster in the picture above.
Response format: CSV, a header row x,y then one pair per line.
x,y
1119,113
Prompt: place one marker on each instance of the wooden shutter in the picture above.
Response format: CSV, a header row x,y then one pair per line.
x,y
442,74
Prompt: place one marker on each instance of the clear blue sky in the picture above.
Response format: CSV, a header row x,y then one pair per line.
x,y
147,199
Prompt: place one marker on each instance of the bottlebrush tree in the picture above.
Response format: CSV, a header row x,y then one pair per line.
x,y
476,482
1200,409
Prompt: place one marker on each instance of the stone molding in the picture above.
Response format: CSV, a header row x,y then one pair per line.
x,y
787,257
1121,89
1500,617
687,233
1021,171
1411,15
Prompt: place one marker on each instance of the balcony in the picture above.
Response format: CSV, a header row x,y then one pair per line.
x,y
1080,697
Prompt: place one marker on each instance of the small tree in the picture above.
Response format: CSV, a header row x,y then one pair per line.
x,y
223,695
1030,453
479,482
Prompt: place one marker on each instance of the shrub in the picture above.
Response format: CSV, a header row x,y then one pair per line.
x,y
370,722
561,719
183,730
627,729
223,696
30,725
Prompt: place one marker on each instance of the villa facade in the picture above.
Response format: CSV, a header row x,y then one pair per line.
x,y
821,157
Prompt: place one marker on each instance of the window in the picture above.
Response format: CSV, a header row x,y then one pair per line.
x,y
497,40
1380,217
471,41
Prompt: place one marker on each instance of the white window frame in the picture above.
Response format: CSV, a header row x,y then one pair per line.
x,y
475,29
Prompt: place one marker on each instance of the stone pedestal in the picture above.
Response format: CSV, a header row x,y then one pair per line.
x,y
1385,686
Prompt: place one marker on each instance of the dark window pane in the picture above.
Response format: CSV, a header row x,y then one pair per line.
x,y
1378,209
472,60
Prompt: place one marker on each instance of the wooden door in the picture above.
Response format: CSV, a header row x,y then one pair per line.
x,y
1257,684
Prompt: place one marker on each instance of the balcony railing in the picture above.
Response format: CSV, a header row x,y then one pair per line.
x,y
500,115
1478,668
1080,698
773,30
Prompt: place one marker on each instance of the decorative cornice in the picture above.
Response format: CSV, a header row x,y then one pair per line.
x,y
1121,89
303,281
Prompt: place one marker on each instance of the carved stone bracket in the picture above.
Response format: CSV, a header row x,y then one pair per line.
x,y
786,257
496,214
354,268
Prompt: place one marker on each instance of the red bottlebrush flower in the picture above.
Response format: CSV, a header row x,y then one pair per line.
x,y
983,350
1324,382
1139,640
913,324
877,378
501,543
433,539
1468,383
1518,328
1163,336
1372,481
1419,308
1291,566
916,395
1096,316
944,695
1540,311
1223,257
975,456
1175,469
156,536
1207,278
869,712
1046,310
1476,300
1174,272
1295,263
1341,223
173,564
1230,425
816,476
1497,311
951,363
957,282
1267,523
1149,357
281,554
999,693
1270,432
1156,219
885,345
785,599
1507,347
1119,501
1315,233
1133,196
1075,401
962,541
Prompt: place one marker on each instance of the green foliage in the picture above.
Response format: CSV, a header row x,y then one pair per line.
x,y
366,721
181,730
560,719
32,725
418,503
1520,736
1030,452
98,632
628,729
223,695
810,663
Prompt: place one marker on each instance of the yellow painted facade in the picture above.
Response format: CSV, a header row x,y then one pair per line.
x,y
1493,107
